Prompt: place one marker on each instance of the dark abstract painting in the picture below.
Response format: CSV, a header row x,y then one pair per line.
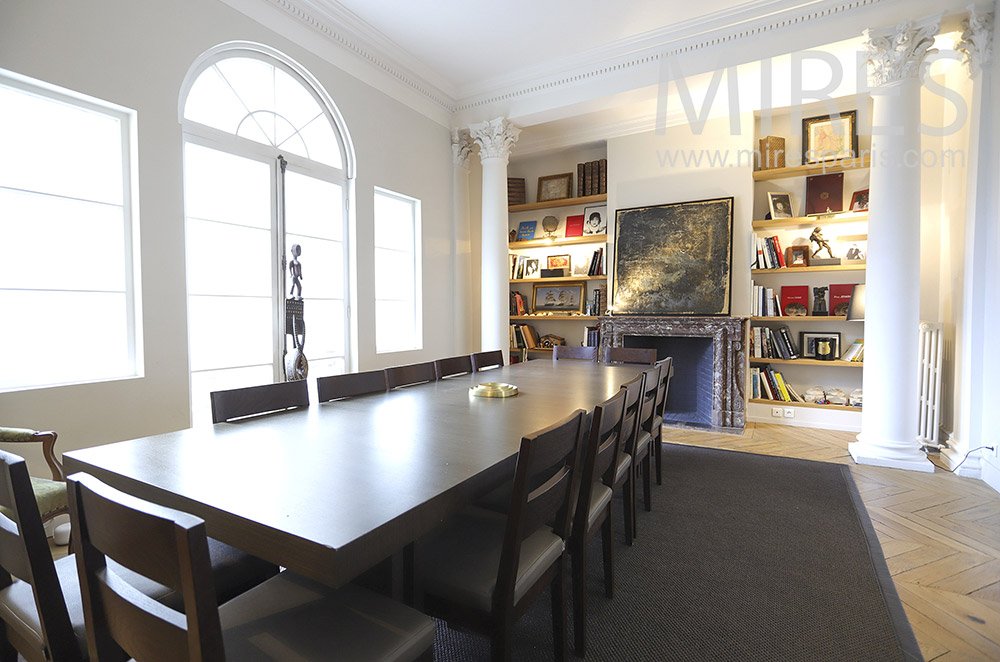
x,y
674,259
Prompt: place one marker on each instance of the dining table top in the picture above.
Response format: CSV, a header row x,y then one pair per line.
x,y
331,489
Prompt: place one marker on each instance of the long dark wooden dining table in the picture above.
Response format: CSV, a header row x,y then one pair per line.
x,y
332,489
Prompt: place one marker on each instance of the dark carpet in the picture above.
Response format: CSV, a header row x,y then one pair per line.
x,y
744,557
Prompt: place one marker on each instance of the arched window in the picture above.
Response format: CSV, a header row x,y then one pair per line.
x,y
268,165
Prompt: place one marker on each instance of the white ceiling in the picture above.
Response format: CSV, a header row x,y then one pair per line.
x,y
468,43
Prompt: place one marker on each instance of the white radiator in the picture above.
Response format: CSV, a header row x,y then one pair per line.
x,y
931,350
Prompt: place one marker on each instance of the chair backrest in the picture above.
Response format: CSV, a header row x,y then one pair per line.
x,y
570,352
165,545
650,388
484,360
46,439
630,355
415,373
25,556
241,402
455,365
336,387
548,460
666,372
630,424
600,452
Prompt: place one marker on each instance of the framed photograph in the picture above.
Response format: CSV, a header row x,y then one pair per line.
x,y
797,256
824,194
780,205
807,341
859,201
562,298
830,137
558,262
555,187
595,220
674,258
531,268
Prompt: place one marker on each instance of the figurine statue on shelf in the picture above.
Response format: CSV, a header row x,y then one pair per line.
x,y
821,243
819,302
550,224
296,364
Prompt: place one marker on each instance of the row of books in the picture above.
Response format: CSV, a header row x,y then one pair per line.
x,y
597,303
592,178
518,305
767,383
769,253
524,335
597,263
592,336
794,300
768,343
855,353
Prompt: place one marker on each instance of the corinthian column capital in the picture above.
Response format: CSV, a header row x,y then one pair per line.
x,y
495,138
976,42
896,54
461,147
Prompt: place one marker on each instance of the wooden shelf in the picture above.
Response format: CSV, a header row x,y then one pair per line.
x,y
564,202
836,363
559,241
537,350
810,221
795,270
850,163
802,318
538,318
808,405
557,279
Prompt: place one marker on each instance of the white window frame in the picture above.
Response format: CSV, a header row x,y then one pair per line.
x,y
128,120
416,250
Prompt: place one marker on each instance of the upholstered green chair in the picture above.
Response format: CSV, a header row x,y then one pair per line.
x,y
50,494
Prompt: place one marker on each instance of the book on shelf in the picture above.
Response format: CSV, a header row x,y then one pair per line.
x,y
526,230
588,178
786,337
795,300
855,352
840,298
523,336
592,177
580,179
515,191
518,306
591,336
597,263
574,225
767,383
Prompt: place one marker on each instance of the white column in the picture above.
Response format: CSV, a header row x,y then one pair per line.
x,y
495,139
892,305
461,249
981,210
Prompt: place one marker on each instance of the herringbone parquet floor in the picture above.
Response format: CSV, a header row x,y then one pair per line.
x,y
940,534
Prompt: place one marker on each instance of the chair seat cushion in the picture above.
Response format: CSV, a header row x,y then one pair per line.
x,y
16,434
642,444
234,572
622,466
459,562
51,498
657,424
290,617
600,497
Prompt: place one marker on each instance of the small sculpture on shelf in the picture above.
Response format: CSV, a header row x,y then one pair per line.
x,y
550,224
821,243
296,364
819,302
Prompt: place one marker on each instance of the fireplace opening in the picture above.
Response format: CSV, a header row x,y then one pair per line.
x,y
690,399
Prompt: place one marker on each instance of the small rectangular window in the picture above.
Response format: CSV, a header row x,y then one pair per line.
x,y
398,301
67,236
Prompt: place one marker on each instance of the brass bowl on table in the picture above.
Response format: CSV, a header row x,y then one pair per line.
x,y
493,390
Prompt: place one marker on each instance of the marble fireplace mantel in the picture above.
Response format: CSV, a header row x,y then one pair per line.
x,y
729,336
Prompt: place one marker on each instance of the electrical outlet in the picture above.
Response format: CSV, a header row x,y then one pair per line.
x,y
789,413
776,412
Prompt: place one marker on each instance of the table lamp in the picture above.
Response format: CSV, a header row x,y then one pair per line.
x,y
856,309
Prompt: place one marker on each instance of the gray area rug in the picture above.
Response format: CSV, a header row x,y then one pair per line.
x,y
744,557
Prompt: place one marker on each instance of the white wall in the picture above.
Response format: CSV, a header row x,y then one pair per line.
x,y
136,54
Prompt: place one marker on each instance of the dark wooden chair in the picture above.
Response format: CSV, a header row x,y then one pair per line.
x,y
487,360
40,603
642,463
287,617
50,495
593,509
484,569
666,372
253,400
406,375
624,473
336,387
639,355
455,365
570,352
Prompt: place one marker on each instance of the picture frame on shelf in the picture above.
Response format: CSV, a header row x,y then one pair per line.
x,y
780,205
797,256
555,187
531,267
595,219
563,298
859,201
824,194
830,137
807,343
559,262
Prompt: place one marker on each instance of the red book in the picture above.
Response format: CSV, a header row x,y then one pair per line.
x,y
840,298
574,226
777,249
795,300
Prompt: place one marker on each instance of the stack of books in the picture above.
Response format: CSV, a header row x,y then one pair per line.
x,y
518,306
523,335
767,343
769,384
597,263
592,178
855,353
769,255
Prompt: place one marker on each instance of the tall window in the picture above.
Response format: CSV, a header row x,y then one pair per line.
x,y
398,323
67,235
267,167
